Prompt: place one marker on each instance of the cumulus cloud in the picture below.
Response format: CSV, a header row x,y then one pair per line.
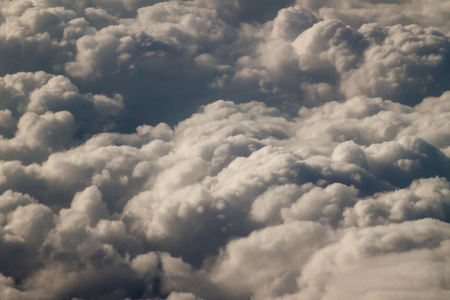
x,y
325,175
43,113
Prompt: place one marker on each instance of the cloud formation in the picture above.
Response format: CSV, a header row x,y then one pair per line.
x,y
325,175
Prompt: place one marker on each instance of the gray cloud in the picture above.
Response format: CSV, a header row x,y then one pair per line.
x,y
122,176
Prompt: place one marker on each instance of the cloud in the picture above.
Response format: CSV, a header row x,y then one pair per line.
x,y
43,113
386,250
385,70
324,174
272,259
424,197
234,170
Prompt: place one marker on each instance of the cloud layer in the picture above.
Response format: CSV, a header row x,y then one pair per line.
x,y
325,175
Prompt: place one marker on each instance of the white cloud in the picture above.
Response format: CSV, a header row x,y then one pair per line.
x,y
332,183
44,113
292,21
380,261
405,66
90,203
423,198
182,296
266,263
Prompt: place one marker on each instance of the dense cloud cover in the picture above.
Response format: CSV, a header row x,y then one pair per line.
x,y
323,175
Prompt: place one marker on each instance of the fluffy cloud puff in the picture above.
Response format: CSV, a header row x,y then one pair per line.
x,y
333,184
42,113
288,56
240,172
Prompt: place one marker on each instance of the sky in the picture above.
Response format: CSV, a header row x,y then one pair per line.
x,y
224,149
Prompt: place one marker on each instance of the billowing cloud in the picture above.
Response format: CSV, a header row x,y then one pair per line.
x,y
325,175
